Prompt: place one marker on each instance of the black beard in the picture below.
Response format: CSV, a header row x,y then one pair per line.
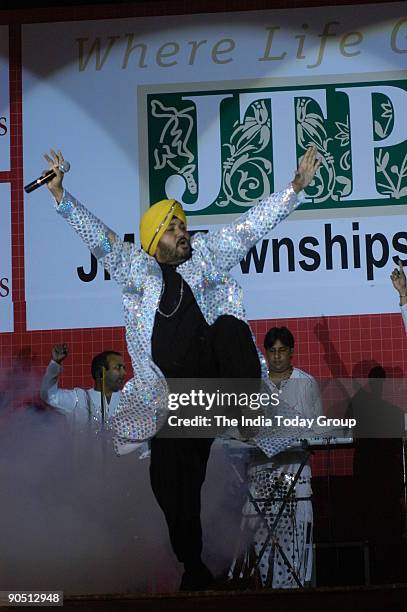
x,y
171,257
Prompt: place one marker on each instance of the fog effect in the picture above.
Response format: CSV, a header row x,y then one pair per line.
x,y
75,517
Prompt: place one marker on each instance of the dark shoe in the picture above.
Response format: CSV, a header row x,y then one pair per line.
x,y
197,579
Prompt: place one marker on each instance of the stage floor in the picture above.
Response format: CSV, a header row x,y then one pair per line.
x,y
391,598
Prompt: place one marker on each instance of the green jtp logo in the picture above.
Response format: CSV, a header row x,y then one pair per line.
x,y
217,152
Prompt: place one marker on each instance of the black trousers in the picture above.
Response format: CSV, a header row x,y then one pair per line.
x,y
178,466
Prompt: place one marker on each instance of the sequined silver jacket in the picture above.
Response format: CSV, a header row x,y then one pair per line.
x,y
143,406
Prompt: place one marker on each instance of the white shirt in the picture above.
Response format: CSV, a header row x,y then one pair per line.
x,y
303,397
404,315
301,393
82,405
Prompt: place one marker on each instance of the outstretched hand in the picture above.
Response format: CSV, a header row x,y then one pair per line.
x,y
59,352
55,184
398,278
306,170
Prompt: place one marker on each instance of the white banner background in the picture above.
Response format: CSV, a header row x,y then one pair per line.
x,y
4,101
6,304
92,115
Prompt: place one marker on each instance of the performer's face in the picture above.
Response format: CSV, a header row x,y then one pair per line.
x,y
115,375
279,357
174,246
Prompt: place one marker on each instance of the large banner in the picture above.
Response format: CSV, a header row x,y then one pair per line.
x,y
4,101
216,111
6,304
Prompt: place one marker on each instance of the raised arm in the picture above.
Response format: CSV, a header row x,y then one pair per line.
x,y
64,399
117,256
398,278
232,242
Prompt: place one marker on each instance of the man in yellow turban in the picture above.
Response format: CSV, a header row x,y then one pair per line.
x,y
185,318
154,225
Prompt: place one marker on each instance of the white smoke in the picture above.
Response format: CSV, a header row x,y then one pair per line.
x,y
74,517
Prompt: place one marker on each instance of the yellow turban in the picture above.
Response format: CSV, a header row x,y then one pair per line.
x,y
155,221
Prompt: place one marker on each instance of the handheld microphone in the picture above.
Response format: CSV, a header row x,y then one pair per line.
x,y
45,178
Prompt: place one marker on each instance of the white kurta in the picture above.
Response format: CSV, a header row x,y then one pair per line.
x,y
81,405
268,479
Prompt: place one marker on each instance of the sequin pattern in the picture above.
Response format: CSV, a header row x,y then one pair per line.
x,y
268,485
269,482
143,406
